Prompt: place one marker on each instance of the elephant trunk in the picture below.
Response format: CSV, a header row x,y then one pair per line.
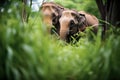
x,y
64,27
63,33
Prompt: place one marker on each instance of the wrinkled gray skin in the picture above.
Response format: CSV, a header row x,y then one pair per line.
x,y
72,22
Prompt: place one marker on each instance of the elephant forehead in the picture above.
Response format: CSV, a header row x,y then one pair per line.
x,y
66,19
68,12
48,4
48,11
66,15
47,8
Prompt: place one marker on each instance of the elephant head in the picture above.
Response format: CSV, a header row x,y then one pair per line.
x,y
71,22
91,21
51,13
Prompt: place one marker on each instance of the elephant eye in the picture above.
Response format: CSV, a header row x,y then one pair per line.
x,y
81,16
54,17
72,24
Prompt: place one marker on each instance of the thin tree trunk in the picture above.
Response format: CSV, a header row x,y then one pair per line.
x,y
28,14
102,10
113,15
24,14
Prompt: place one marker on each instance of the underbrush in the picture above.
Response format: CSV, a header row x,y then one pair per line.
x,y
28,52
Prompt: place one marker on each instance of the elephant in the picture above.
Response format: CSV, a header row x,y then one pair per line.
x,y
91,20
51,13
72,22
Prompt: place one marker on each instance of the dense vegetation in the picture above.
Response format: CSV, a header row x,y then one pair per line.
x,y
27,52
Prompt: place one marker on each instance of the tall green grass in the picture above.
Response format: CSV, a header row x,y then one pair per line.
x,y
28,52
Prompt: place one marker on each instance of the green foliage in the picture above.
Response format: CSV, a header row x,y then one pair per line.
x,y
89,6
28,52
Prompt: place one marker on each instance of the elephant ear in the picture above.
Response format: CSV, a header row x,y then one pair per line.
x,y
60,9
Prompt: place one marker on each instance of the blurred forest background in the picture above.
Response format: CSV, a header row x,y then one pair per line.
x,y
89,6
27,52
